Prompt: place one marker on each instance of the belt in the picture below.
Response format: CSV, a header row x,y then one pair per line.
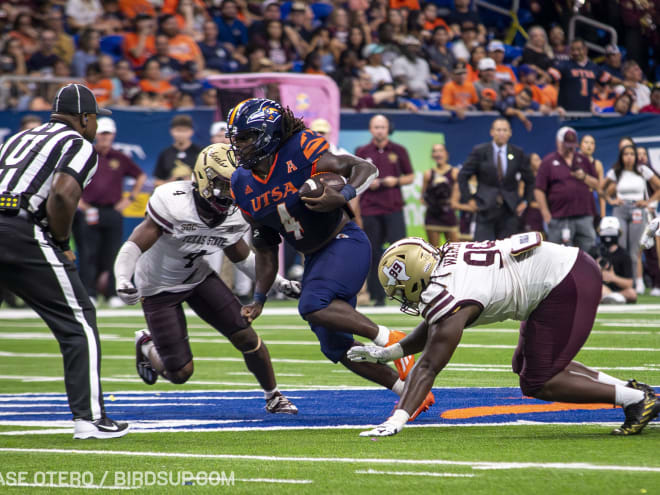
x,y
24,214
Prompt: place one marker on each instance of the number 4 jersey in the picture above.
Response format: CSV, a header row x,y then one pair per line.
x,y
177,261
506,278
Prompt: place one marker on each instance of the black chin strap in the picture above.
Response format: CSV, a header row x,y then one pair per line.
x,y
206,212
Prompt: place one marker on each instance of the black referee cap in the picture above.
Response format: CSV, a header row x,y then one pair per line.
x,y
77,99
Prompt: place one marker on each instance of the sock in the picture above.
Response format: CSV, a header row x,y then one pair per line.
x,y
400,417
383,336
268,394
146,347
397,388
625,396
605,378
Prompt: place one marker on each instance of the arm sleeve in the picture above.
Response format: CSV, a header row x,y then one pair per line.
x,y
125,263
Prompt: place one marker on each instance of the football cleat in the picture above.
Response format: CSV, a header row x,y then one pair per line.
x,y
142,363
386,429
278,404
101,428
638,415
406,363
647,389
428,402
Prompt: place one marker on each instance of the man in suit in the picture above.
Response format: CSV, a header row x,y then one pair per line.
x,y
498,167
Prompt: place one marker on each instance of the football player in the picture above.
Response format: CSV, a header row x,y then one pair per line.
x,y
186,221
276,154
553,290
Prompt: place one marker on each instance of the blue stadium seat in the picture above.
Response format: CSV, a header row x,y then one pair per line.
x,y
111,45
512,53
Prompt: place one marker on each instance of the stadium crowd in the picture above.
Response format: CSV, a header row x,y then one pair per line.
x,y
397,54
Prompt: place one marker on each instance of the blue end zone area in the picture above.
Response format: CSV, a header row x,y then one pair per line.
x,y
217,410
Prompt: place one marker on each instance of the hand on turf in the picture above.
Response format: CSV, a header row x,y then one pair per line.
x,y
330,200
290,288
385,429
128,293
252,311
370,354
650,232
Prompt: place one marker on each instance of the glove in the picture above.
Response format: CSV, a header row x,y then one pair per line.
x,y
128,293
290,288
386,429
650,232
370,354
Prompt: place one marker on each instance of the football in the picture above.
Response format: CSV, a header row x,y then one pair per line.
x,y
313,187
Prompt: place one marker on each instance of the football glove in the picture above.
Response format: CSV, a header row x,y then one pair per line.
x,y
650,232
386,429
290,288
374,354
128,293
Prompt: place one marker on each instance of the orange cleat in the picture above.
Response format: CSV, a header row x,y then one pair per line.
x,y
406,363
428,402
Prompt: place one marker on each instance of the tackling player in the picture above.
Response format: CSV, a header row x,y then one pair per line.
x,y
553,290
186,221
276,155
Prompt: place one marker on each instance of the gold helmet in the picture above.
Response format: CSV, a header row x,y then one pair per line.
x,y
212,174
405,271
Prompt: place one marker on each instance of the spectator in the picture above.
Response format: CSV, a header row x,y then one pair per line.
x,y
440,58
537,52
111,21
577,77
102,88
356,40
528,79
88,51
64,45
381,206
153,82
278,47
532,220
498,167
439,193
181,46
487,100
230,29
487,77
129,82
177,161
169,66
459,95
518,105
321,43
98,223
615,266
430,19
557,39
462,14
29,121
613,61
602,100
271,12
133,8
477,54
191,15
377,71
107,66
25,32
82,14
462,47
632,80
297,21
587,148
625,104
563,193
189,83
503,72
140,43
654,105
386,39
209,97
625,188
216,57
43,60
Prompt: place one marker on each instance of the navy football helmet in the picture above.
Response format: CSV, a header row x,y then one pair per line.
x,y
255,130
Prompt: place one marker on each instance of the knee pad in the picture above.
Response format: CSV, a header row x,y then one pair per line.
x,y
529,389
180,376
247,341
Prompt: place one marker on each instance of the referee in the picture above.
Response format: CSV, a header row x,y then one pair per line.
x,y
42,174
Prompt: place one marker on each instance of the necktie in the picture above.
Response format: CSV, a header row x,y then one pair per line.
x,y
500,169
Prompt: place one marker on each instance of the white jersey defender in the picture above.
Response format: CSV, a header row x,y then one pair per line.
x,y
177,261
507,278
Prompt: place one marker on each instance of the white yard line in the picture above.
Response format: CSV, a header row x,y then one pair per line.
x,y
414,473
479,465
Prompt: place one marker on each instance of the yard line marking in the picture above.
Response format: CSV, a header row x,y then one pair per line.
x,y
415,473
247,373
343,460
275,480
68,485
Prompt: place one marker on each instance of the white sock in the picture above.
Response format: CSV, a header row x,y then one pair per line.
x,y
146,347
625,396
400,417
605,378
383,336
268,394
397,388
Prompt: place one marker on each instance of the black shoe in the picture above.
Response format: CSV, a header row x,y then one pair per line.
x,y
278,404
638,415
142,364
101,428
647,389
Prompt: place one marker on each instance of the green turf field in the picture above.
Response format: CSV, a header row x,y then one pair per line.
x,y
513,457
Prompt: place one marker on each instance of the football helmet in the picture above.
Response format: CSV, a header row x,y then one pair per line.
x,y
255,130
212,176
405,271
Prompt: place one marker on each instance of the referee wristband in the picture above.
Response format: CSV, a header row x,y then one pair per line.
x,y
260,297
348,192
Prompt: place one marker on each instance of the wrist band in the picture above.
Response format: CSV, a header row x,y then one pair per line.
x,y
64,244
348,192
260,297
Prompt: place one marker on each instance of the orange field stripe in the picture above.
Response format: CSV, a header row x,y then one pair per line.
x,y
473,412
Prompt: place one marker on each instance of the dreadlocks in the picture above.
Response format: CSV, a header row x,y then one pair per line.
x,y
290,125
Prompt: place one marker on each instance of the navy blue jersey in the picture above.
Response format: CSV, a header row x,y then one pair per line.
x,y
576,83
274,202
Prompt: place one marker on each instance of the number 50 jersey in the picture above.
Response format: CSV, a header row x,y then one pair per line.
x,y
177,261
274,201
506,278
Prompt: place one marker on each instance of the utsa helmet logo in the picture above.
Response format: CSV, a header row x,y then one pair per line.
x,y
268,114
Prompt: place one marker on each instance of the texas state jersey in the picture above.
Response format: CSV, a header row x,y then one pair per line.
x,y
176,262
274,201
507,278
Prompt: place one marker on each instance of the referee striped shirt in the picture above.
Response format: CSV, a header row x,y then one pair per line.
x,y
30,159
